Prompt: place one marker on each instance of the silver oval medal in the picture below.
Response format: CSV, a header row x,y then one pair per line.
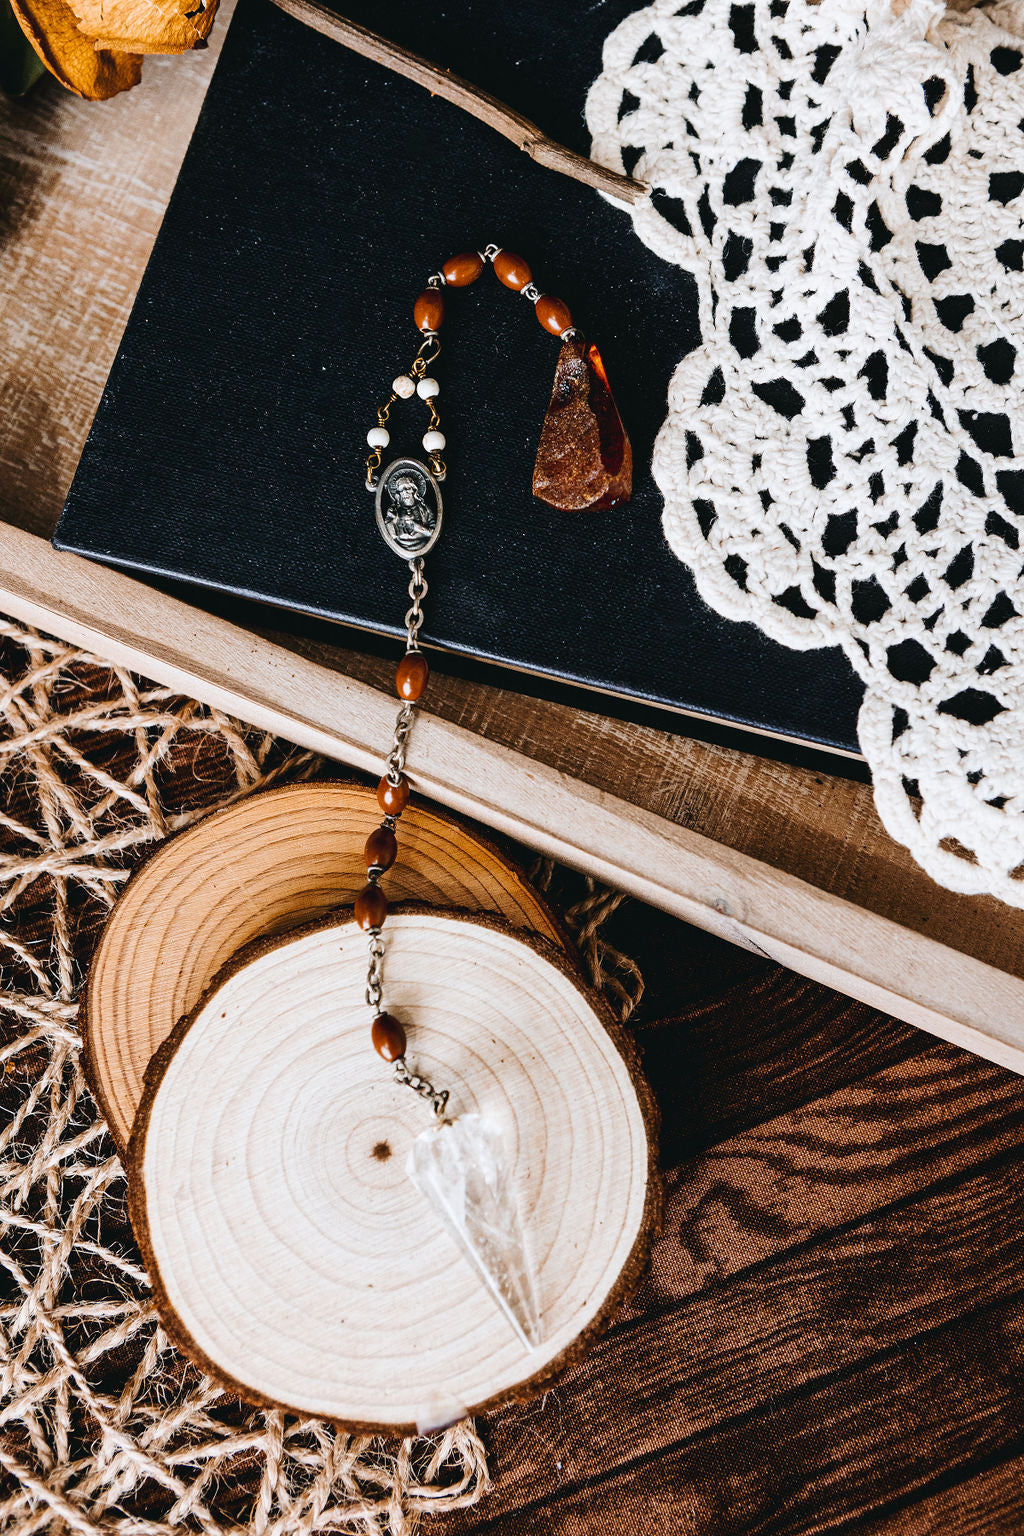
x,y
408,508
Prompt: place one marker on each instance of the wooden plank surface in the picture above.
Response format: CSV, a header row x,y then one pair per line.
x,y
83,188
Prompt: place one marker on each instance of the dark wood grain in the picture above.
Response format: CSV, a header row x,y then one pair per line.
x,y
823,1459
734,1354
828,1330
798,1043
990,1500
884,1138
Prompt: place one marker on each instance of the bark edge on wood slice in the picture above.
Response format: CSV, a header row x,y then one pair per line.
x,y
278,858
272,1294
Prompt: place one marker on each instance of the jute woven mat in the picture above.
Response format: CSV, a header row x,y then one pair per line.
x,y
104,1428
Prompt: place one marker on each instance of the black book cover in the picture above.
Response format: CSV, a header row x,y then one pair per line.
x,y
318,193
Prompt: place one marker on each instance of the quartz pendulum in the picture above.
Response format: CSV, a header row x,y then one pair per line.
x,y
584,459
460,1167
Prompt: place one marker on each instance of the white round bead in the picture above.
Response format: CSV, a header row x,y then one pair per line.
x,y
433,442
403,386
427,388
378,437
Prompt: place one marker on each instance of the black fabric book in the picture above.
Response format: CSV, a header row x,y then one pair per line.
x,y
317,194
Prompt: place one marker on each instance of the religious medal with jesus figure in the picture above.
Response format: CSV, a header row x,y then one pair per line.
x,y
409,509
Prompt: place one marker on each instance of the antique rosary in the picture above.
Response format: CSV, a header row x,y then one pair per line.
x,y
319,1238
584,463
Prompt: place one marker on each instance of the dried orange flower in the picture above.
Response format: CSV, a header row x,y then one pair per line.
x,y
94,47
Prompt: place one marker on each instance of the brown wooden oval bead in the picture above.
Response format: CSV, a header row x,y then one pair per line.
x,y
371,906
461,270
381,848
428,311
393,798
388,1036
553,315
512,270
411,676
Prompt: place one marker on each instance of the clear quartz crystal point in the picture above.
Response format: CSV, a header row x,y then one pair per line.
x,y
460,1166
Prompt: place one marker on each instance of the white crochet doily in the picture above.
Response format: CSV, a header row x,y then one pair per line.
x,y
843,457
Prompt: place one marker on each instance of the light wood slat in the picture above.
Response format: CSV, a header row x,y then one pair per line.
x,y
747,902
818,826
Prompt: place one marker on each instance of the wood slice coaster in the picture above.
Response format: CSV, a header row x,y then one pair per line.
x,y
291,1255
265,865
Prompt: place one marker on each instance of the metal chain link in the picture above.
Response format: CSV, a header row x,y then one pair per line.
x,y
428,350
375,973
394,767
414,616
438,1099
394,763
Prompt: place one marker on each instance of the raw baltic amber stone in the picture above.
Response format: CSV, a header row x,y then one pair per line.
x,y
584,461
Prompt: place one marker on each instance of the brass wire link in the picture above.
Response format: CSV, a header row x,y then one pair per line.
x,y
429,350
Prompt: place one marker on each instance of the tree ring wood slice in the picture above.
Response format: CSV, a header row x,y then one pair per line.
x,y
271,862
292,1257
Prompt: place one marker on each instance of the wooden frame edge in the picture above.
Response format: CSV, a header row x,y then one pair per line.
x,y
737,897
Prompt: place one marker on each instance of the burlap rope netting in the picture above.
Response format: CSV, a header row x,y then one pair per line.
x,y
104,1427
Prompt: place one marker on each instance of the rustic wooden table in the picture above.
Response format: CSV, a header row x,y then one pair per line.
x,y
830,1334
